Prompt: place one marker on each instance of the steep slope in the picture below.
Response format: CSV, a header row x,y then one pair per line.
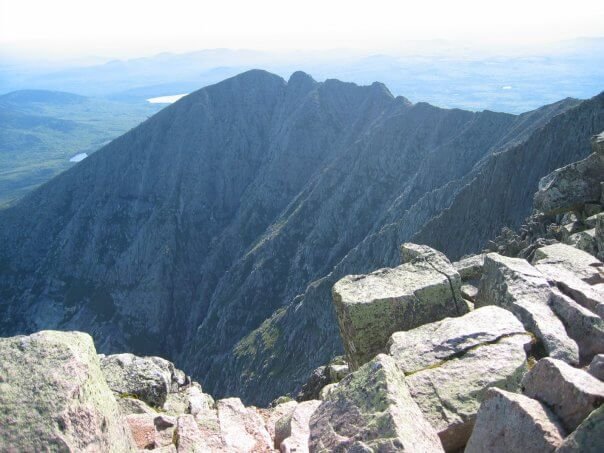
x,y
216,213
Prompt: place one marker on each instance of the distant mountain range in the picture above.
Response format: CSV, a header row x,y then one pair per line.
x,y
41,130
440,73
212,233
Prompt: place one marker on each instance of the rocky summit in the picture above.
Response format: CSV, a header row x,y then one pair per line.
x,y
212,234
500,351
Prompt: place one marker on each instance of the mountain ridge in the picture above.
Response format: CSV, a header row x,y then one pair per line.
x,y
228,207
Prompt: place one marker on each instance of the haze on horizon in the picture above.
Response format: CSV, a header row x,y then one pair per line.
x,y
113,28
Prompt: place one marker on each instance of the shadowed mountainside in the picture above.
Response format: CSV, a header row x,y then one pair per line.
x,y
211,233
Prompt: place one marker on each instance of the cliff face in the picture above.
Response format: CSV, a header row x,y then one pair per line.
x,y
219,225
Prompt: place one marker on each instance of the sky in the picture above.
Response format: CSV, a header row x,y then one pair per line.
x,y
123,28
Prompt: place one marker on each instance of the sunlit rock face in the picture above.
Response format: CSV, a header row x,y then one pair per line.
x,y
212,233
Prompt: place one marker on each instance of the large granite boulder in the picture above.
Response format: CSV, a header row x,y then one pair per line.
x,y
372,307
509,422
147,378
570,392
471,267
450,364
596,367
570,187
372,410
588,437
53,396
513,284
563,256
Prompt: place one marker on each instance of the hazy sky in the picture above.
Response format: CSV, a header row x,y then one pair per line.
x,y
137,27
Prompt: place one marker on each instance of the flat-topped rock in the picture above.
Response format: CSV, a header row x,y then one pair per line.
x,y
372,307
513,284
570,187
582,264
372,410
509,422
242,428
53,396
570,392
434,343
450,393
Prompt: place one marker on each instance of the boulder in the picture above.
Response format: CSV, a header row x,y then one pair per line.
x,y
508,422
570,392
187,400
147,378
584,241
586,295
432,344
292,430
188,437
53,396
470,268
590,222
588,437
242,429
587,267
372,307
450,365
513,284
583,326
165,428
570,187
372,410
469,292
325,391
272,415
596,367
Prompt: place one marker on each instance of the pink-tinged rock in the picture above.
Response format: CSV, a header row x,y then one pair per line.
x,y
188,436
142,429
571,393
293,430
509,422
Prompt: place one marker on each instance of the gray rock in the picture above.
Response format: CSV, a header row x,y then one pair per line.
x,y
582,264
600,235
586,295
272,415
588,437
570,187
508,422
591,221
469,292
596,367
130,405
148,378
450,393
292,430
433,344
470,268
584,240
372,307
513,284
583,326
591,209
372,410
53,396
570,392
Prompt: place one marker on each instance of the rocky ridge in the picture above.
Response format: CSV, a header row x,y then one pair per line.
x,y
518,369
221,224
